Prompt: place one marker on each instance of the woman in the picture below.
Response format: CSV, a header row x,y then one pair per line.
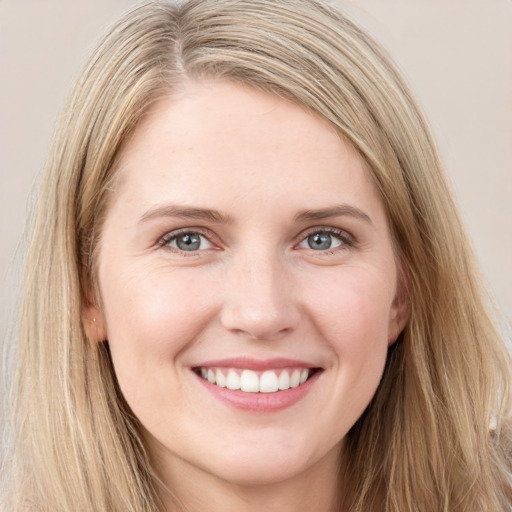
x,y
182,348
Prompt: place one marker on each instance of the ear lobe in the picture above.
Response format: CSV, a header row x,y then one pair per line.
x,y
399,316
94,324
401,307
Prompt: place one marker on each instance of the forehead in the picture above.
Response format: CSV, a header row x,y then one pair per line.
x,y
219,138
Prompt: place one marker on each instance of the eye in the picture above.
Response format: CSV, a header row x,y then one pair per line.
x,y
325,240
187,241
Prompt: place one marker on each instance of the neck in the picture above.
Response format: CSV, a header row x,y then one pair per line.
x,y
192,490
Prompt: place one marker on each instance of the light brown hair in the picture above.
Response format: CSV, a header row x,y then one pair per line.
x,y
436,435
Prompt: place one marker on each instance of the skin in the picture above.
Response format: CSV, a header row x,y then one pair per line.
x,y
255,288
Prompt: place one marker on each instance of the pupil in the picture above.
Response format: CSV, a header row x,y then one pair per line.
x,y
189,242
319,241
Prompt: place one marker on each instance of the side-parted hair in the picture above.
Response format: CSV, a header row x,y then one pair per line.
x,y
436,436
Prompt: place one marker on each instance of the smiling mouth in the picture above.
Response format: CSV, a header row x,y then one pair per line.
x,y
250,381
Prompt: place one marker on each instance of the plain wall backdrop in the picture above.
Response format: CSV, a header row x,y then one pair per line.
x,y
456,55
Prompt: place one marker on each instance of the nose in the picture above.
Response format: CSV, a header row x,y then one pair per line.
x,y
259,300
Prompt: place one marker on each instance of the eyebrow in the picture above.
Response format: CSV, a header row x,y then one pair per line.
x,y
185,212
206,214
341,210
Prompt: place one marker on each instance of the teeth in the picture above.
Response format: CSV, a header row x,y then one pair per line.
x,y
250,381
284,380
220,379
295,379
269,382
233,380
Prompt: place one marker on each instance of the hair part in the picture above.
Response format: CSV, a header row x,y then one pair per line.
x,y
446,378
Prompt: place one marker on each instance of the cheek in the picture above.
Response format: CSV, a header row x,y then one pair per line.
x,y
351,308
152,316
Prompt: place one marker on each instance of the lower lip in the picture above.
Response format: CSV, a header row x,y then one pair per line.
x,y
261,402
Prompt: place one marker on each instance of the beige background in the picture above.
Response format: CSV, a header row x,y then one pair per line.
x,y
457,55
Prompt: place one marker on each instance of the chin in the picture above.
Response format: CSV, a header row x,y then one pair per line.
x,y
265,463
254,473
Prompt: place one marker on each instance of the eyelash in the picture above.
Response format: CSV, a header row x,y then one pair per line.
x,y
168,238
346,239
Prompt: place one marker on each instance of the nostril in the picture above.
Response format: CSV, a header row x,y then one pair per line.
x,y
260,321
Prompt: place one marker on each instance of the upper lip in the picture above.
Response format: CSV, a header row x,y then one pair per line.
x,y
256,364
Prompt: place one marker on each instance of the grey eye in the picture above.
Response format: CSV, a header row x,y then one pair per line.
x,y
189,242
321,241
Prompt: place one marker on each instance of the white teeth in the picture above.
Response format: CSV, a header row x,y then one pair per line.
x,y
295,379
268,382
233,380
250,381
220,379
284,380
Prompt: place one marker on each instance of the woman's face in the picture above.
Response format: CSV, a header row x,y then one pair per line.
x,y
245,245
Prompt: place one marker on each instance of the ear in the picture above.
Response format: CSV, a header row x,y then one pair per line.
x,y
94,324
401,307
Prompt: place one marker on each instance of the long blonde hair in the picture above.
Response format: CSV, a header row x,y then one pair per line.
x,y
436,435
